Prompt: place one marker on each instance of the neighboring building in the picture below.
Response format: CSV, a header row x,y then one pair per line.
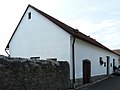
x,y
40,35
117,51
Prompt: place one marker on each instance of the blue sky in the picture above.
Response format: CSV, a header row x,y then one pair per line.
x,y
98,18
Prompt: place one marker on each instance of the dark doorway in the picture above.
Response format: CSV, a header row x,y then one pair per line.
x,y
108,64
86,71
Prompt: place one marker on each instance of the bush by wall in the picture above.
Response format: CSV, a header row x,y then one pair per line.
x,y
26,74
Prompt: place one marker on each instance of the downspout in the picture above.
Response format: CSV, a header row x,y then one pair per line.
x,y
7,52
73,61
108,65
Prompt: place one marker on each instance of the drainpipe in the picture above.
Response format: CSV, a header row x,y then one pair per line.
x,y
7,52
73,62
108,65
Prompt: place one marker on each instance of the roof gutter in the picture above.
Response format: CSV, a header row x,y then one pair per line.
x,y
73,62
7,51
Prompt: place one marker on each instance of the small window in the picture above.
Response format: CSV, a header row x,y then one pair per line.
x,y
29,15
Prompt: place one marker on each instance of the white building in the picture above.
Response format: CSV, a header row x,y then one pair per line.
x,y
40,35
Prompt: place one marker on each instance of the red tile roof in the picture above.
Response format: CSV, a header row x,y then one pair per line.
x,y
74,32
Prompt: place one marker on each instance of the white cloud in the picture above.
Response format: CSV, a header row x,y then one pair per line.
x,y
83,25
108,33
105,32
115,13
89,9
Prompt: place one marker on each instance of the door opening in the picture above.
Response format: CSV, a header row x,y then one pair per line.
x,y
86,71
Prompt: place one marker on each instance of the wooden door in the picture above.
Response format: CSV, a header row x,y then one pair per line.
x,y
86,71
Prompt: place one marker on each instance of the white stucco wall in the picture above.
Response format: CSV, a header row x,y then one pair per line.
x,y
84,50
40,37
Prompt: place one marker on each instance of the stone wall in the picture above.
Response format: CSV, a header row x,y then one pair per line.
x,y
27,74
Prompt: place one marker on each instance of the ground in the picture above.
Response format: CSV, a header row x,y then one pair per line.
x,y
111,83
